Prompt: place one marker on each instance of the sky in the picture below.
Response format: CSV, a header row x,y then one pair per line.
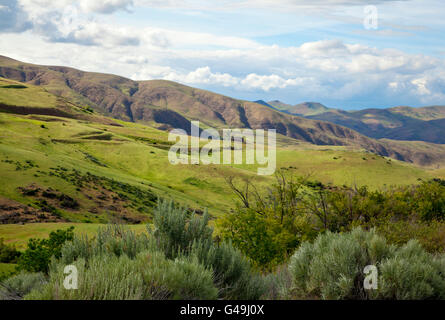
x,y
348,54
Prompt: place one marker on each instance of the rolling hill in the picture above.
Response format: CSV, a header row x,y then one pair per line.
x,y
64,159
301,109
165,105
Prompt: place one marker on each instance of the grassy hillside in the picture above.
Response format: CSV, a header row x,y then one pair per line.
x,y
61,162
16,94
60,156
18,235
423,113
117,172
301,109
166,105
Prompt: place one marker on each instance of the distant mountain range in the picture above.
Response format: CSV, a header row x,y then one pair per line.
x,y
165,104
398,123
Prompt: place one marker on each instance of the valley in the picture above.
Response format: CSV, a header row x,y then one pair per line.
x,y
88,148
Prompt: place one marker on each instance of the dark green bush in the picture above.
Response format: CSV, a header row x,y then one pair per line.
x,y
8,253
178,260
268,228
430,234
14,86
430,200
37,256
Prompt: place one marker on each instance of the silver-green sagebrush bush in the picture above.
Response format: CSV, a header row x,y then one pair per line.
x,y
178,260
412,273
149,276
105,278
182,278
233,273
175,230
178,233
16,287
333,268
113,239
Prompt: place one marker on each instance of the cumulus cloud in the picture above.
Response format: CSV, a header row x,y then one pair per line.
x,y
231,63
69,21
204,75
268,82
96,34
328,70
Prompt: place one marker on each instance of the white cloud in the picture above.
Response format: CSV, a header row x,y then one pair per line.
x,y
268,82
86,6
105,6
204,75
201,75
227,62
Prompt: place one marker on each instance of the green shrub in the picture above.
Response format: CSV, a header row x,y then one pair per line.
x,y
14,86
16,287
175,230
254,234
333,268
7,270
149,276
268,228
180,279
412,274
112,239
430,200
8,254
431,234
233,273
106,277
278,285
177,233
39,251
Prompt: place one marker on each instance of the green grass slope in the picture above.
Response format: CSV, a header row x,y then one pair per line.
x,y
61,162
166,105
116,173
